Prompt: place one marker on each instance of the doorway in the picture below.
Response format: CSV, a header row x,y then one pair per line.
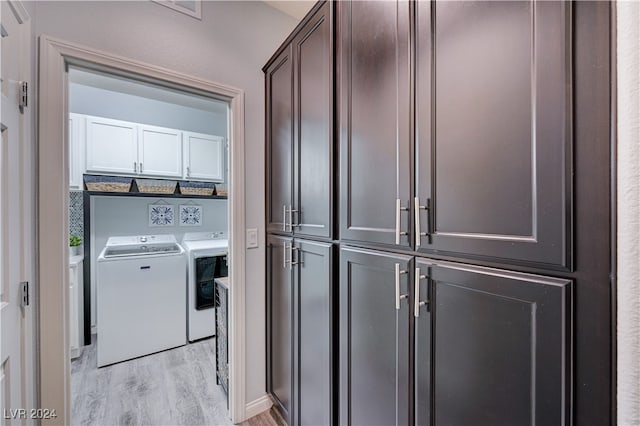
x,y
146,163
56,57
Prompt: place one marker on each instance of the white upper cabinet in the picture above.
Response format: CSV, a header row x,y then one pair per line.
x,y
76,150
111,146
159,151
133,149
204,157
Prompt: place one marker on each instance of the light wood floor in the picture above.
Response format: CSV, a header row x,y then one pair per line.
x,y
174,387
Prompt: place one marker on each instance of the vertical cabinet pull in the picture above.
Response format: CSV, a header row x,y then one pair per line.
x,y
284,218
293,249
135,167
140,167
416,293
291,212
188,171
399,296
399,208
416,210
290,248
284,256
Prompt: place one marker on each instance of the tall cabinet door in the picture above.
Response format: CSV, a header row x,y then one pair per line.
x,y
375,139
501,347
493,129
374,337
280,323
313,125
421,306
313,333
279,92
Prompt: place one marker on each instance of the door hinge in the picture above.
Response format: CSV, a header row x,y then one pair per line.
x,y
24,95
24,285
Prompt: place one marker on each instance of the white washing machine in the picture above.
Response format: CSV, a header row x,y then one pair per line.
x,y
141,297
207,260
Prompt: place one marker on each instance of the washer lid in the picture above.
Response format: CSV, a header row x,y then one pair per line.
x,y
140,239
193,246
141,250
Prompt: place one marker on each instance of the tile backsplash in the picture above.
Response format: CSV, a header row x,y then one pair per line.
x,y
76,213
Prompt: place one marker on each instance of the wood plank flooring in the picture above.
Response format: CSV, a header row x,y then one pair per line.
x,y
174,387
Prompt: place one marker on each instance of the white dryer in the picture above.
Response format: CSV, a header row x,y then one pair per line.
x,y
207,260
141,297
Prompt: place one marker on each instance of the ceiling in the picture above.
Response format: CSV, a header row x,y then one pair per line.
x,y
294,8
145,90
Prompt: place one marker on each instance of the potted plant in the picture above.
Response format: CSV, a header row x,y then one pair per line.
x,y
75,243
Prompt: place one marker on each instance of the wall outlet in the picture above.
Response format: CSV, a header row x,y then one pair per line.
x,y
252,238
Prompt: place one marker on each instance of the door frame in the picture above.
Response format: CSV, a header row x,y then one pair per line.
x,y
53,187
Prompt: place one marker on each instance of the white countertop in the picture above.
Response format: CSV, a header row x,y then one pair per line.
x,y
74,260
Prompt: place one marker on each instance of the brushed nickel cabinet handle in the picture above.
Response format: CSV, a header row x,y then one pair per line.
x,y
284,218
135,167
416,293
399,208
399,296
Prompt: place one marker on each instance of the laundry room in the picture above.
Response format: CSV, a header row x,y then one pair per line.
x,y
149,242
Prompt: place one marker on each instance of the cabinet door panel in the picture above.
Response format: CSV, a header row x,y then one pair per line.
x,y
494,129
112,146
314,115
501,345
313,334
160,151
279,91
422,335
205,157
374,338
375,135
280,320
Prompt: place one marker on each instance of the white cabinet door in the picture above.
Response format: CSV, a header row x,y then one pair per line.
x,y
159,151
111,146
204,157
76,150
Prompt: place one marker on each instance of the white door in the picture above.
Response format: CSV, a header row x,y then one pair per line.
x,y
16,323
111,146
204,157
160,151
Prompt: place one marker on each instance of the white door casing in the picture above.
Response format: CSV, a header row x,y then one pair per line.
x,y
55,55
17,378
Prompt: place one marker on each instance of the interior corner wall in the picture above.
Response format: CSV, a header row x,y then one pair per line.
x,y
628,195
229,45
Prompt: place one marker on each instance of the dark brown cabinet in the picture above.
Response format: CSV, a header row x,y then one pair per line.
x,y
299,88
494,131
374,133
491,347
280,324
300,324
473,205
374,338
487,174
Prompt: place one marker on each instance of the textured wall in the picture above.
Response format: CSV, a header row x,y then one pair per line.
x,y
229,45
628,45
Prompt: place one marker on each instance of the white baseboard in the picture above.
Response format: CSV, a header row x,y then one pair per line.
x,y
257,406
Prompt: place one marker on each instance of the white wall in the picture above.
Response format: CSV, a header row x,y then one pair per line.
x,y
123,216
123,106
628,193
230,45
